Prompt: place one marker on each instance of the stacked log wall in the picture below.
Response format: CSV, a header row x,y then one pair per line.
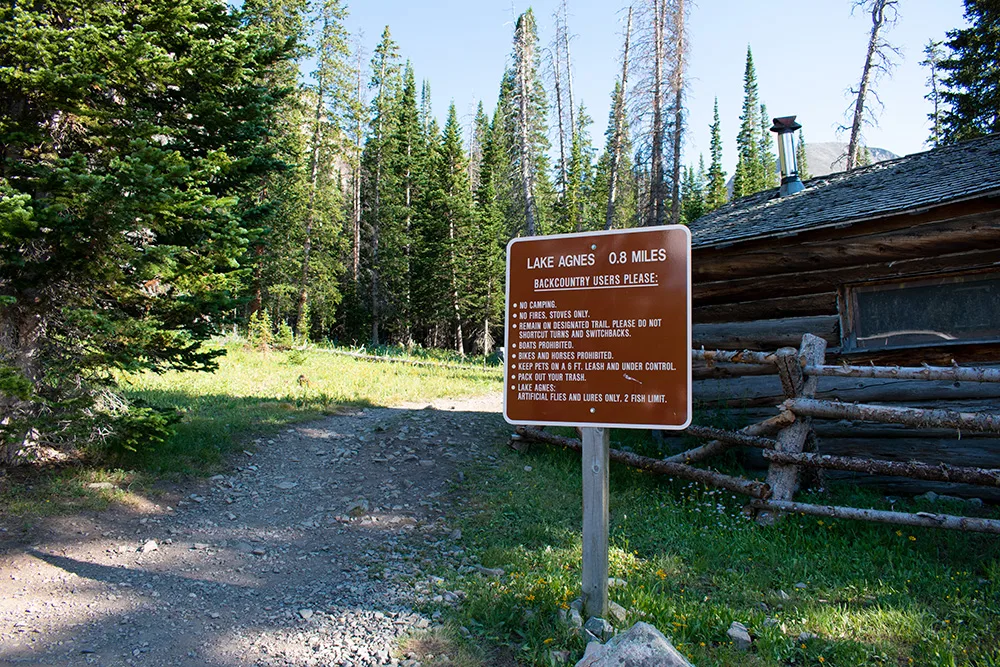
x,y
766,294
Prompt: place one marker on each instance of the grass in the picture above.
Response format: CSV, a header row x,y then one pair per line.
x,y
811,591
250,395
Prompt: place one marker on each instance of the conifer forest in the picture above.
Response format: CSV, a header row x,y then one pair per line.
x,y
170,170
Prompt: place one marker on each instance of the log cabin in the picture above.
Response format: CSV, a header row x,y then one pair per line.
x,y
894,263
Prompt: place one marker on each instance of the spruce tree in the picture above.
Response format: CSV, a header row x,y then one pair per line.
x,y
127,136
933,55
749,176
383,240
972,84
580,175
715,188
615,162
693,192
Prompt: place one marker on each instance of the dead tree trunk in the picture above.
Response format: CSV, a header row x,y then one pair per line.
x,y
656,195
876,61
356,185
678,23
616,146
525,82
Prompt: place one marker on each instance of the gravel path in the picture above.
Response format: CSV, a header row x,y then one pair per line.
x,y
311,551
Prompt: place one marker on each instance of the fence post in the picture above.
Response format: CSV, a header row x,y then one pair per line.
x,y
782,478
596,452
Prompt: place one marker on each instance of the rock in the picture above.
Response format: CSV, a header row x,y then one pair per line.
x,y
739,635
358,508
614,582
286,486
574,618
617,613
306,614
527,468
801,586
599,627
576,604
930,497
150,545
642,645
559,657
101,485
806,636
770,622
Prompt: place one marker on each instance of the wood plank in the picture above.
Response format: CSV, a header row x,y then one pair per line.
x,y
975,452
824,303
894,486
765,334
766,391
943,355
596,447
833,248
818,278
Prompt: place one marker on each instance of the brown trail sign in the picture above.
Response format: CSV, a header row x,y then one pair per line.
x,y
599,329
599,335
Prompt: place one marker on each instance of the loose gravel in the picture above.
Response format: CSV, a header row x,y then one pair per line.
x,y
314,549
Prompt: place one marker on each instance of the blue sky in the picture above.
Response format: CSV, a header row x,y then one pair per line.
x,y
805,63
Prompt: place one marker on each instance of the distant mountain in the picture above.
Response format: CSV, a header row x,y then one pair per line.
x,y
828,157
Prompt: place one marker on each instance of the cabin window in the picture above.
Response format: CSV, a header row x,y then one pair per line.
x,y
920,313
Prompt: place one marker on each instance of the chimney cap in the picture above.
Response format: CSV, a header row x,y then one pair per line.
x,y
785,124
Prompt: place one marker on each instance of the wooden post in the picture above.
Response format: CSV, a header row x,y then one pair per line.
x,y
782,478
596,444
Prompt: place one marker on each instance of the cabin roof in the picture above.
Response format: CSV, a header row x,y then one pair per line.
x,y
948,174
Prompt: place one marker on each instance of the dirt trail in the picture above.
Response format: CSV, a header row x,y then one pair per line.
x,y
312,550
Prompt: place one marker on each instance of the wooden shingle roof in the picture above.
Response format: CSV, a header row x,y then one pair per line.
x,y
940,176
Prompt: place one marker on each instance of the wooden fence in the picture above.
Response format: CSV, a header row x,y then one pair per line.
x,y
788,442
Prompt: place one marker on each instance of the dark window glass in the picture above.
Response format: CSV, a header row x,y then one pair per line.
x,y
937,312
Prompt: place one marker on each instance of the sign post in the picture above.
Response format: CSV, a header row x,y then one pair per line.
x,y
598,335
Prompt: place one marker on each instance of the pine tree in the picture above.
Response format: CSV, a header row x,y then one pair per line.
x,y
749,176
323,214
384,241
580,175
477,142
616,134
972,85
933,55
484,274
768,159
615,162
408,162
456,210
693,192
715,188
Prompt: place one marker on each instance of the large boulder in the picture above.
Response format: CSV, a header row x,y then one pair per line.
x,y
642,645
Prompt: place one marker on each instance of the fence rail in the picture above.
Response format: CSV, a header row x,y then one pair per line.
x,y
786,438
